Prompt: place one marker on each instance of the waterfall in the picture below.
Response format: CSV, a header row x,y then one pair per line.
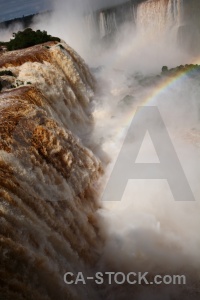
x,y
109,20
189,29
158,16
107,23
49,170
48,202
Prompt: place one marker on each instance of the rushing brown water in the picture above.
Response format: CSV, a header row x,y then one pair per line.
x,y
48,200
49,210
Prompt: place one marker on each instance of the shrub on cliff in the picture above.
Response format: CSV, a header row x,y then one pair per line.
x,y
164,69
28,38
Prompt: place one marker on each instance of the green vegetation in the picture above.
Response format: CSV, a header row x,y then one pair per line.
x,y
164,69
191,70
6,73
28,38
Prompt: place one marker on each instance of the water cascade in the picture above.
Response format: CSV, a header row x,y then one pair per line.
x,y
48,200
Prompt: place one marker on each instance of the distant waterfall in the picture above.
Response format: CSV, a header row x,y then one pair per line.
x,y
179,18
107,23
158,16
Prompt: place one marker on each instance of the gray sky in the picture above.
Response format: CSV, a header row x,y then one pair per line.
x,y
10,9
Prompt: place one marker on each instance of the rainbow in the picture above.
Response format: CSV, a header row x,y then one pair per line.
x,y
177,74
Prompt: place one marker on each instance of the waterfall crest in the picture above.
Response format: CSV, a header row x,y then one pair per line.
x,y
48,201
